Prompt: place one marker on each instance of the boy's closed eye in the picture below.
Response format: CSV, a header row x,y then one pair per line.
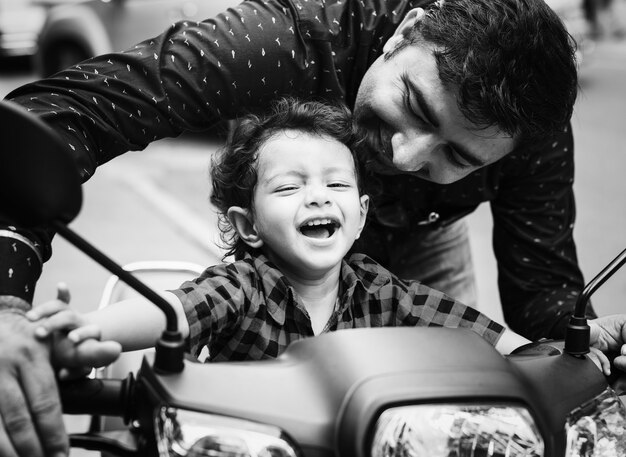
x,y
287,188
340,185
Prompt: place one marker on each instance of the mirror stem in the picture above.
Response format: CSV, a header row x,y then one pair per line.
x,y
170,347
577,333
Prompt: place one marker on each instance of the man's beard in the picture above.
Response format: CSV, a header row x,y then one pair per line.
x,y
375,151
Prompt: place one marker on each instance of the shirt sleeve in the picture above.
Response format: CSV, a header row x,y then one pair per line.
x,y
20,264
188,78
420,305
534,213
213,305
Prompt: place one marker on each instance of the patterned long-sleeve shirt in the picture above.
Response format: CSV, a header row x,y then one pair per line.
x,y
247,310
195,74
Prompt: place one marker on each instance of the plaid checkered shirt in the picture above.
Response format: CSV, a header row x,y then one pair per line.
x,y
247,310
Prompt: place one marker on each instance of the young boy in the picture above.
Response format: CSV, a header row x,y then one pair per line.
x,y
287,188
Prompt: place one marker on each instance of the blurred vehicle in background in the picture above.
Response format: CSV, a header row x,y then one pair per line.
x,y
82,29
20,23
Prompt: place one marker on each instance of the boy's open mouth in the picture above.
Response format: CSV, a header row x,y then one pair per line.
x,y
319,228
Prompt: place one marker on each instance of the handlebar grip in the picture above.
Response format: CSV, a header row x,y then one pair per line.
x,y
101,397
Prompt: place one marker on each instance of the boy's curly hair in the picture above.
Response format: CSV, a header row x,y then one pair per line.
x,y
511,63
234,167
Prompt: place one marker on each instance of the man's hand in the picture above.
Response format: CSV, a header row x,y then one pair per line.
x,y
31,422
608,333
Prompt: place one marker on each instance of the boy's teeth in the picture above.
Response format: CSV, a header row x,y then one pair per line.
x,y
319,222
318,228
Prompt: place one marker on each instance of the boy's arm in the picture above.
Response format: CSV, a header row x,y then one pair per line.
x,y
509,341
607,334
609,328
135,323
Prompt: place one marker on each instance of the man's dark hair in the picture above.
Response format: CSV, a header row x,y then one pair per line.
x,y
234,168
511,63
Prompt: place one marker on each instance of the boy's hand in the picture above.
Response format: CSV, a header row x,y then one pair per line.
x,y
77,360
56,315
601,360
608,333
75,343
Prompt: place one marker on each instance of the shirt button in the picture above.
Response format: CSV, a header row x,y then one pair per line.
x,y
431,219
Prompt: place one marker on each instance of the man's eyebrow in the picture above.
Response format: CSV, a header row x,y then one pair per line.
x,y
430,116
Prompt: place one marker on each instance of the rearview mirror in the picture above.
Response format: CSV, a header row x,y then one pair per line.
x,y
40,186
39,181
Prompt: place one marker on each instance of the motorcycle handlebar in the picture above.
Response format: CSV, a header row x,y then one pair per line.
x,y
100,397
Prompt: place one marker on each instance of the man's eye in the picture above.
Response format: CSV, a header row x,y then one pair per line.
x,y
455,159
412,111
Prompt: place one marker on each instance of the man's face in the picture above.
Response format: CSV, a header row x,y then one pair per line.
x,y
414,125
307,207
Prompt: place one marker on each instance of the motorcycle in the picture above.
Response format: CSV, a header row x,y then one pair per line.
x,y
352,393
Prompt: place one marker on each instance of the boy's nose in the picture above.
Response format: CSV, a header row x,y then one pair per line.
x,y
318,195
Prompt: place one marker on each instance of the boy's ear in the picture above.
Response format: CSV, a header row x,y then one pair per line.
x,y
403,29
365,203
241,219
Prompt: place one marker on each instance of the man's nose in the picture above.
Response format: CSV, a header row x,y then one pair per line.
x,y
412,150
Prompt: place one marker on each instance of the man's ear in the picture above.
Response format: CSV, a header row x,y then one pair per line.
x,y
403,29
241,219
365,203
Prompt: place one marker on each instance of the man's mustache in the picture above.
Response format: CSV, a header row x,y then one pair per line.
x,y
375,150
376,139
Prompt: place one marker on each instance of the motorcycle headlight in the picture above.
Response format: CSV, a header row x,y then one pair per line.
x,y
441,430
597,428
186,433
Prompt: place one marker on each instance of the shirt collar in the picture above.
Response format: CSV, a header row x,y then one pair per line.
x,y
279,294
357,272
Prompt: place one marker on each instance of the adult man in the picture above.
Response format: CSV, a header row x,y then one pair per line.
x,y
468,100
